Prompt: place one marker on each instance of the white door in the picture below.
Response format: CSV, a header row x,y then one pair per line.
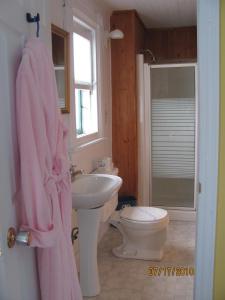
x,y
18,273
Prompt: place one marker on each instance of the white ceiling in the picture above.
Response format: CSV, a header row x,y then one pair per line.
x,y
160,13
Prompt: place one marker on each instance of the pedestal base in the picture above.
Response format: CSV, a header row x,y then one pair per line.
x,y
88,222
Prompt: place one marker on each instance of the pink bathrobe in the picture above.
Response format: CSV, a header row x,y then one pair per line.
x,y
45,203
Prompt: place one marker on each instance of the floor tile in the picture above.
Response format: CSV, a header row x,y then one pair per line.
x,y
128,279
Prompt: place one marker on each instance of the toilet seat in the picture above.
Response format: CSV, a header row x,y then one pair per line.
x,y
141,214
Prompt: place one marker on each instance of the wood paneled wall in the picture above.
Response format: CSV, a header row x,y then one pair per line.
x,y
172,44
168,45
124,97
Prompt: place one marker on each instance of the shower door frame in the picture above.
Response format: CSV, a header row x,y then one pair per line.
x,y
147,121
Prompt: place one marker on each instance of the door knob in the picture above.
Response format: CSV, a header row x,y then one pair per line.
x,y
22,237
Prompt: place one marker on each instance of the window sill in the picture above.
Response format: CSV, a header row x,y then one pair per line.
x,y
89,143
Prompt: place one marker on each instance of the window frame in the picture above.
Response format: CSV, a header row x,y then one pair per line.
x,y
80,22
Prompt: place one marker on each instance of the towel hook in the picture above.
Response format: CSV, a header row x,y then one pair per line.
x,y
34,19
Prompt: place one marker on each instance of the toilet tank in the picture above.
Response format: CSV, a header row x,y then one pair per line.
x,y
110,206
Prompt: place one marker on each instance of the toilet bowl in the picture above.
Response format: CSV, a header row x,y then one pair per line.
x,y
144,232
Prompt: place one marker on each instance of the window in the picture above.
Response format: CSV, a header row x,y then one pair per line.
x,y
85,79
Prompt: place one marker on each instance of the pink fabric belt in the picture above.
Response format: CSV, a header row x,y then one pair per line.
x,y
54,184
56,181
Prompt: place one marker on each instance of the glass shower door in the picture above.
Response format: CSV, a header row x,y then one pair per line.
x,y
173,135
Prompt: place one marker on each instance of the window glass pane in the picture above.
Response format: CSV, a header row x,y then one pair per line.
x,y
79,121
82,59
86,112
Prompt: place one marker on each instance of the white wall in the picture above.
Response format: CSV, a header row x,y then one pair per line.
x,y
96,11
99,13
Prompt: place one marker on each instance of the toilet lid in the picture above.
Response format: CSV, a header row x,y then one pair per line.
x,y
143,214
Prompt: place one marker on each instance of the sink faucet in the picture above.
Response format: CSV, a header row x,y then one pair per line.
x,y
74,172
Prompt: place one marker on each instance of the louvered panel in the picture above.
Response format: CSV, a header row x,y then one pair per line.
x,y
173,138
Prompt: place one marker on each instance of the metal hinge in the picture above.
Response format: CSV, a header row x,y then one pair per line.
x,y
199,187
74,234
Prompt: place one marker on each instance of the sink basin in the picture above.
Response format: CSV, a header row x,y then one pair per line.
x,y
93,190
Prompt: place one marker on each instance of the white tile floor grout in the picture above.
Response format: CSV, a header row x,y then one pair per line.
x,y
128,279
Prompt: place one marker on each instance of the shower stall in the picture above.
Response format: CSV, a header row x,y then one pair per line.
x,y
168,127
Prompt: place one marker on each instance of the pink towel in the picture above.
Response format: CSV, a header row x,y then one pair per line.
x,y
45,203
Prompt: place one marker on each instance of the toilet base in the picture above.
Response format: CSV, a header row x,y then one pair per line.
x,y
123,252
140,240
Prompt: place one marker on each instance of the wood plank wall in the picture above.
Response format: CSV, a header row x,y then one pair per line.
x,y
172,44
124,97
168,45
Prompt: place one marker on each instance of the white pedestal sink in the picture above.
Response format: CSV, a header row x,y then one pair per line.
x,y
89,193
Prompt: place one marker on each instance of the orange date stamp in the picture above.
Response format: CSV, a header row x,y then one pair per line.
x,y
171,271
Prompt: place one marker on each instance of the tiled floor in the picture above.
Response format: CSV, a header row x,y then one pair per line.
x,y
128,279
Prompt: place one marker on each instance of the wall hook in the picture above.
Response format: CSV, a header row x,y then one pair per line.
x,y
34,19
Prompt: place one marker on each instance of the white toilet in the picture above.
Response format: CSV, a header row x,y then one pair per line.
x,y
144,231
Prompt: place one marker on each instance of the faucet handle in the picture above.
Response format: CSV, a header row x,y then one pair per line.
x,y
73,167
